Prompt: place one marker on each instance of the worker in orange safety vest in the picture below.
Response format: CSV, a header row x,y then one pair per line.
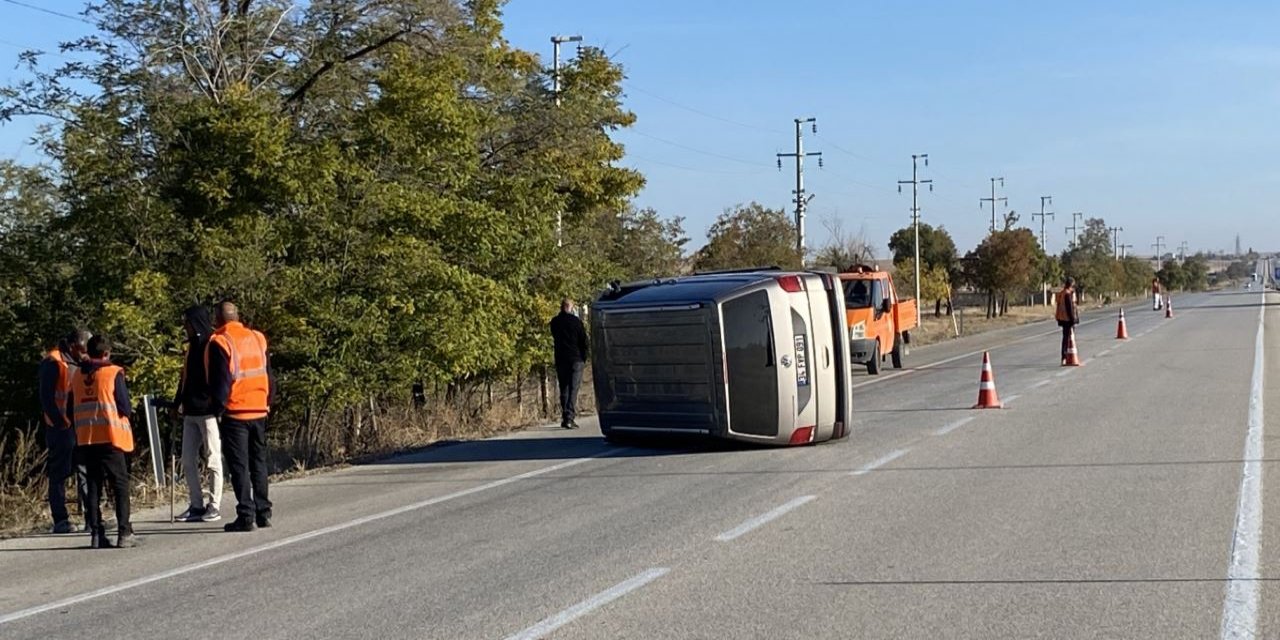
x,y
238,369
98,408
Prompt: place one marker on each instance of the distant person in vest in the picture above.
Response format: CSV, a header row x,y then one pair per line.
x,y
98,405
59,436
1157,302
1068,314
200,439
239,375
570,339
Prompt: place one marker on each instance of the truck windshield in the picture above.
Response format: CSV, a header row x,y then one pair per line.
x,y
857,294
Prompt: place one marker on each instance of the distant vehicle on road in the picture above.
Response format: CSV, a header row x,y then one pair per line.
x,y
758,356
879,322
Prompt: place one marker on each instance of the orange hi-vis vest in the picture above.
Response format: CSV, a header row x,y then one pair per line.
x,y
246,351
95,416
64,382
1062,315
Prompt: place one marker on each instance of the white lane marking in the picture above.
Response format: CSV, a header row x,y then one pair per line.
x,y
953,426
284,542
1011,398
1042,383
762,519
1103,353
590,604
1240,607
923,367
880,462
1064,372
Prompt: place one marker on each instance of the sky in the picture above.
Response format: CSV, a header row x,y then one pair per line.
x,y
1161,117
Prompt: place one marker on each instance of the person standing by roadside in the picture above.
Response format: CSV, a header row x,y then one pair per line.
x,y
200,439
59,437
1157,302
570,339
98,407
240,381
1068,314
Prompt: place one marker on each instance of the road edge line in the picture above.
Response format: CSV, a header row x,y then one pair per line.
x,y
1240,603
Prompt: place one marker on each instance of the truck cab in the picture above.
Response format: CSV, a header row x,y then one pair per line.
x,y
878,320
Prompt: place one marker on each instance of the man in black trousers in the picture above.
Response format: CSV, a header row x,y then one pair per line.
x,y
571,356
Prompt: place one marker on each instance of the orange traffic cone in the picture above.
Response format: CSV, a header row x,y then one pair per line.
x,y
1168,307
1122,331
1073,357
987,398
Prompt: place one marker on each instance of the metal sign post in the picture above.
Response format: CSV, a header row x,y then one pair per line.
x,y
153,438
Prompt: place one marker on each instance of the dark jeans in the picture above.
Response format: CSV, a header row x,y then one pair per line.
x,y
1067,329
570,378
62,465
244,443
105,464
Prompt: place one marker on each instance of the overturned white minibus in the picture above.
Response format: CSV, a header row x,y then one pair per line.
x,y
759,356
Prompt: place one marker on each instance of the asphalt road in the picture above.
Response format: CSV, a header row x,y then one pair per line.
x,y
1112,500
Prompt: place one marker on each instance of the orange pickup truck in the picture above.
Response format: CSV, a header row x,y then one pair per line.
x,y
879,322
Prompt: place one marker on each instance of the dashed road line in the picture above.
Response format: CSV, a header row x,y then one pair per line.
x,y
762,519
953,426
1011,398
550,624
1042,383
879,462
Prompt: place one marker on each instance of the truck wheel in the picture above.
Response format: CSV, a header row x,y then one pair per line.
x,y
899,350
873,365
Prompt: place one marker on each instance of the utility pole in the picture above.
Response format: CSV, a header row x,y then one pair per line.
x,y
1182,249
915,183
1074,229
556,41
1159,246
1124,250
993,199
801,201
1115,241
1042,215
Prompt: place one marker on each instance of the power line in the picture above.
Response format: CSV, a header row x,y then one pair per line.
x,y
696,150
700,112
993,200
51,12
691,169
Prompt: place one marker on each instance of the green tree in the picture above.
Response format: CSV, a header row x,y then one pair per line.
x,y
1006,262
377,182
1171,276
1091,260
937,249
749,235
1195,273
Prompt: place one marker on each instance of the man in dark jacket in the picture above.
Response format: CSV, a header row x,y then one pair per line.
x,y
60,438
1068,314
201,441
571,355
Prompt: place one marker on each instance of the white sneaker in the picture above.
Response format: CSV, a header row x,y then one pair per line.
x,y
211,514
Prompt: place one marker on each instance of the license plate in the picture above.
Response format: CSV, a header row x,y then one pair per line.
x,y
802,363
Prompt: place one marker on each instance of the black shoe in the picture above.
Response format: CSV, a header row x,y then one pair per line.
x,y
571,425
240,525
98,539
126,540
63,526
263,522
